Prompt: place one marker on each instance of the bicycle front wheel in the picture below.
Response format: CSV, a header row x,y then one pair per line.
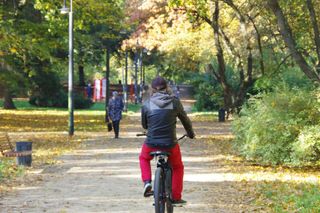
x,y
159,196
168,187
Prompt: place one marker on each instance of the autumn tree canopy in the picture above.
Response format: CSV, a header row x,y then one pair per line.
x,y
237,42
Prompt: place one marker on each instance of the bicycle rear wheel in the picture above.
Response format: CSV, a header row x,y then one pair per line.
x,y
159,196
168,187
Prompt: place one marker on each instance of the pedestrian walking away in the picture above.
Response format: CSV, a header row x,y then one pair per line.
x,y
89,91
159,117
115,109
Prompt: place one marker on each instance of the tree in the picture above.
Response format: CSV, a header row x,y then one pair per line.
x,y
34,36
291,43
13,47
240,52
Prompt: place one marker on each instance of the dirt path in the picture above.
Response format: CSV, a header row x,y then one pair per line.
x,y
104,176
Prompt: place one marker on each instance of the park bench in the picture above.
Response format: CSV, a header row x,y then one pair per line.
x,y
8,150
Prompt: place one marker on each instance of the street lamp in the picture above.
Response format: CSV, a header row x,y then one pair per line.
x,y
107,83
65,10
136,63
125,77
142,74
126,82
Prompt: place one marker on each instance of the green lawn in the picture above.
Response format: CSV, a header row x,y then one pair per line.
x,y
99,106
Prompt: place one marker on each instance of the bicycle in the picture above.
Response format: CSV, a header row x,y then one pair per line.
x,y
162,188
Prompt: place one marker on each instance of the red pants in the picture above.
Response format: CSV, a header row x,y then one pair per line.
x,y
176,165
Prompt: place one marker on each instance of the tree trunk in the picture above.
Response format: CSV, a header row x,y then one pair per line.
x,y
8,102
246,79
315,27
82,83
227,91
286,33
259,44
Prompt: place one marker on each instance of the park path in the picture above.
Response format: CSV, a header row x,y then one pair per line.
x,y
104,176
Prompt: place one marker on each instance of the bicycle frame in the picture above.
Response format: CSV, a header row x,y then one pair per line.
x,y
162,183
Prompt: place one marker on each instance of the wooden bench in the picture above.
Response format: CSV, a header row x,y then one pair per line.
x,y
8,150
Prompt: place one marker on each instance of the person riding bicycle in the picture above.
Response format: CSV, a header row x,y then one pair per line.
x,y
159,117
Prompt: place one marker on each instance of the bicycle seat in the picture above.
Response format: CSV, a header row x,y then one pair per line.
x,y
158,153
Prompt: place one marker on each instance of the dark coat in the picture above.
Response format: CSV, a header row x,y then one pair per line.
x,y
159,116
115,108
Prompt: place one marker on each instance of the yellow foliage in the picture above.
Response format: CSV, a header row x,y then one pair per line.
x,y
13,50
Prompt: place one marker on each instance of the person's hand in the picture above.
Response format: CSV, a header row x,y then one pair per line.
x,y
192,136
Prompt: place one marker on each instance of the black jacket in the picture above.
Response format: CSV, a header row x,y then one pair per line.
x,y
159,116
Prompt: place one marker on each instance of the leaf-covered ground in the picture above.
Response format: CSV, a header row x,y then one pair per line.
x,y
216,179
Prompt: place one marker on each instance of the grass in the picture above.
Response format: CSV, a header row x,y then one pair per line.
x,y
290,197
28,118
98,106
205,116
9,169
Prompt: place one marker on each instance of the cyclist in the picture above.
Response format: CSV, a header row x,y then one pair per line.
x,y
158,114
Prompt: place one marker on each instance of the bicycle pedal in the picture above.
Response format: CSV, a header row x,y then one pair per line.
x,y
178,205
148,194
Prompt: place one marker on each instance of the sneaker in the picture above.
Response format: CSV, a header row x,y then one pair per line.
x,y
179,202
147,190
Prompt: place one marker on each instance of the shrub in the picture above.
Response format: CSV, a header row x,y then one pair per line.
x,y
306,147
288,77
209,94
61,100
270,123
58,99
81,102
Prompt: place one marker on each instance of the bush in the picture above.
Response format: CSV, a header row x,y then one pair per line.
x,y
81,102
288,77
61,100
209,95
47,90
306,147
270,123
58,99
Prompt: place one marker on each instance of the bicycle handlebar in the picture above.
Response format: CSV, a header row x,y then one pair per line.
x,y
145,134
183,136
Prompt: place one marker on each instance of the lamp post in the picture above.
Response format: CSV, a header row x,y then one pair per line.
x,y
136,63
125,33
107,83
126,83
142,74
65,10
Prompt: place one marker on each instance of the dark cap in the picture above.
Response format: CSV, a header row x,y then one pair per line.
x,y
159,83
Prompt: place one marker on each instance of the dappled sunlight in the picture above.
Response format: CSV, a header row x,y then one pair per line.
x,y
105,151
105,169
200,159
129,176
48,120
129,125
211,168
27,188
211,128
41,113
237,171
97,160
251,176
